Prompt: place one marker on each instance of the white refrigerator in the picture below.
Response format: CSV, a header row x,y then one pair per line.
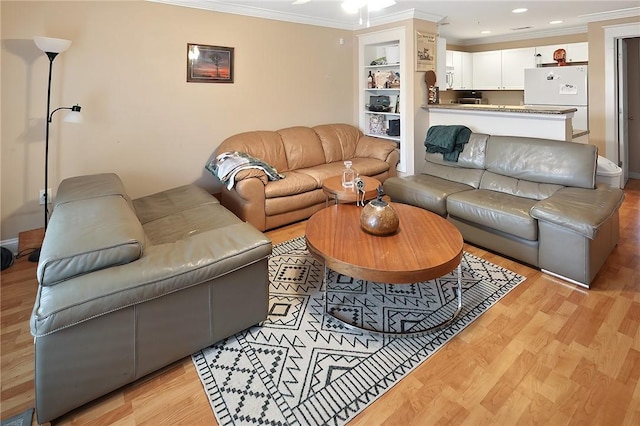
x,y
559,86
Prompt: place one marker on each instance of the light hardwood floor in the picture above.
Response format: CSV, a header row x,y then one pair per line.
x,y
548,353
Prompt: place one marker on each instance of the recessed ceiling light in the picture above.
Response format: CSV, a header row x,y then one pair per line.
x,y
555,22
520,10
485,32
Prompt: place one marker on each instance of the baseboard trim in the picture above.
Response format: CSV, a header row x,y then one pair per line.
x,y
11,244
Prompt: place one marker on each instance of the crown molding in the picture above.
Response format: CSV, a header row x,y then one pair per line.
x,y
521,36
612,14
256,12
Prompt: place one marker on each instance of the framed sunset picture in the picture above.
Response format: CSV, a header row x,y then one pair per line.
x,y
209,64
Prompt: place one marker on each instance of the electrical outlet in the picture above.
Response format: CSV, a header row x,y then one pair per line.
x,y
41,196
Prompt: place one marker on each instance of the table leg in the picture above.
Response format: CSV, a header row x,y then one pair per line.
x,y
422,332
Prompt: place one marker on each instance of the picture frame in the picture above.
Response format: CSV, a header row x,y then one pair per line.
x,y
425,51
209,64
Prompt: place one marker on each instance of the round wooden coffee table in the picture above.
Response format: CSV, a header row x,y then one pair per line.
x,y
333,188
425,247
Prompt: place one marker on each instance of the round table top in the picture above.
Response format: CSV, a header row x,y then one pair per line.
x,y
333,187
424,247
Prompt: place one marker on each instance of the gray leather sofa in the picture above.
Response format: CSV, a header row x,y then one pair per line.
x,y
129,286
535,200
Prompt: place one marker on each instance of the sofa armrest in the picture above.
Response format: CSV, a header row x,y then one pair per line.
x,y
369,147
579,209
252,173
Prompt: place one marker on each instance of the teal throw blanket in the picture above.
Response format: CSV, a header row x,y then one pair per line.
x,y
449,140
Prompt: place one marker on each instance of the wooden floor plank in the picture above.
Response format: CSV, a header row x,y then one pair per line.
x,y
548,353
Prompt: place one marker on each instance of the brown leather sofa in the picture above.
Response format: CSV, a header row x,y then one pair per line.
x,y
535,200
306,156
129,286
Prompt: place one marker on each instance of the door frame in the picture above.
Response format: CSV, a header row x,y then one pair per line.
x,y
612,33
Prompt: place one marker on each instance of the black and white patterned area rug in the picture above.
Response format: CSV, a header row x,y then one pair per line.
x,y
301,367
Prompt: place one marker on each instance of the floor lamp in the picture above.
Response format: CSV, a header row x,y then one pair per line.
x,y
52,47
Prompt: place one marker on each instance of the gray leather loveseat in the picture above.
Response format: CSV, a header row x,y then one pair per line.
x,y
535,200
129,286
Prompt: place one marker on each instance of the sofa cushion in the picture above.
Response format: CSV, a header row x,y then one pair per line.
x,y
470,177
518,187
171,201
369,166
188,222
369,147
496,210
339,141
472,156
427,192
543,160
116,238
90,186
263,144
302,147
324,171
293,183
280,205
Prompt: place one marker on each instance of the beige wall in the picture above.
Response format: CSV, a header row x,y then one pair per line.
x,y
126,67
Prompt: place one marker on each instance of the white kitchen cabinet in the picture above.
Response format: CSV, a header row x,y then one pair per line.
x,y
514,62
487,70
462,70
576,52
449,58
502,69
547,52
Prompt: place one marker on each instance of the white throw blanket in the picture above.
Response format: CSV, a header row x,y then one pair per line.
x,y
227,165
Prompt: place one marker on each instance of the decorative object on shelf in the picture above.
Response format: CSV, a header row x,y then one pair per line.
x,y
370,81
538,60
52,47
394,128
379,61
209,64
376,124
379,103
560,56
379,217
394,80
349,175
433,92
381,79
426,51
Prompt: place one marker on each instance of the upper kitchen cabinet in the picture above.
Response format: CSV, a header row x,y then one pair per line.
x,y
487,70
514,62
502,69
576,52
462,63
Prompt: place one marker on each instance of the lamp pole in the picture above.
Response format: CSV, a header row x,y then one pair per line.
x,y
51,56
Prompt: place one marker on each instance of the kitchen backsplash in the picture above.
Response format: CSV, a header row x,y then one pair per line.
x,y
493,97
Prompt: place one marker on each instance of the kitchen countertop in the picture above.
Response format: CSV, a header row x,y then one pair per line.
x,y
527,109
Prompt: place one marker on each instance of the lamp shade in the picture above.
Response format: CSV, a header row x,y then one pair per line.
x,y
51,45
73,117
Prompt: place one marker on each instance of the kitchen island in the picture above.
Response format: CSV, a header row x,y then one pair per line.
x,y
513,120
